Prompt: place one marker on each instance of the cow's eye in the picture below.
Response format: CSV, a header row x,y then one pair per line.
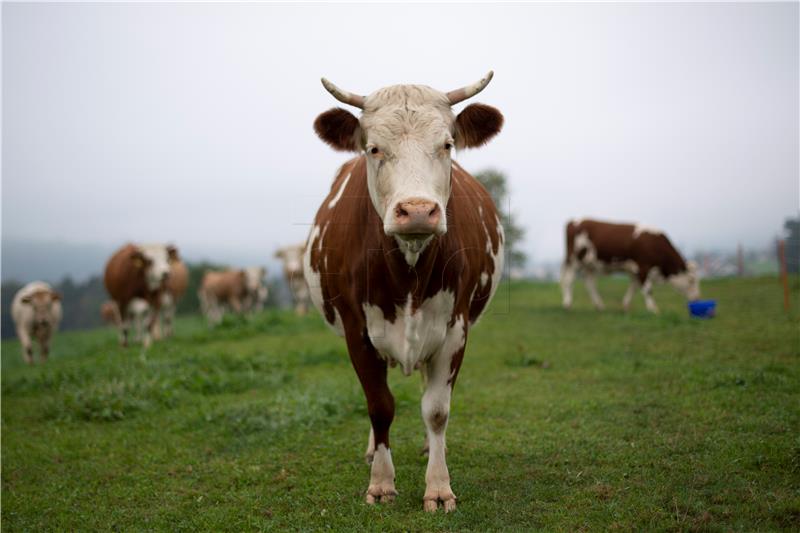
x,y
374,151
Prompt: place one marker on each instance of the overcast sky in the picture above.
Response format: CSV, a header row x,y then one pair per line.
x,y
192,122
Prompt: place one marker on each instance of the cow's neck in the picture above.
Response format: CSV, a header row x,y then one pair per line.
x,y
414,280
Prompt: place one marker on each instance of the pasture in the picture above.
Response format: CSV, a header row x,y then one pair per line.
x,y
561,421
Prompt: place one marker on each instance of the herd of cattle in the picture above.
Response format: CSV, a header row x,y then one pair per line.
x,y
404,256
145,282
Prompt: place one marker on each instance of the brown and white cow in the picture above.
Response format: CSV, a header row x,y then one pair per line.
x,y
405,254
646,254
176,285
36,310
139,271
292,259
221,289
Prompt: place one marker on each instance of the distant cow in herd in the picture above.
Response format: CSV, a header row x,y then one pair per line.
x,y
405,254
292,260
241,290
646,254
139,271
36,311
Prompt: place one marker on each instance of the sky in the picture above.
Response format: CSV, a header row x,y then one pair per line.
x,y
192,123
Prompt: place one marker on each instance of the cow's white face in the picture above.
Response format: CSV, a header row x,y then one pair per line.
x,y
292,257
255,278
42,304
407,134
155,259
687,282
408,140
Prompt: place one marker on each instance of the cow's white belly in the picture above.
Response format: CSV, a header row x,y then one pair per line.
x,y
415,336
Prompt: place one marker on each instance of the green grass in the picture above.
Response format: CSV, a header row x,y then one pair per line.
x,y
561,421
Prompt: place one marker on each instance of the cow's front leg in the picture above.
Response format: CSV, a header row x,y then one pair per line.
x,y
372,370
647,292
440,374
626,300
591,286
26,343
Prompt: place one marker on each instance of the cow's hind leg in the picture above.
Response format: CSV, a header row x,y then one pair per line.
x,y
372,370
440,373
568,271
626,300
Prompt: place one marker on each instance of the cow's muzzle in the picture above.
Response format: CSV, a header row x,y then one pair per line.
x,y
416,218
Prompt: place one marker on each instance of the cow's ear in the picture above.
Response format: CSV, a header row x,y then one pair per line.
x,y
476,125
340,129
172,253
27,299
54,296
279,254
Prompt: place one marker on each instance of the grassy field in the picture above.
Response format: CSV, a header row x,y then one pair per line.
x,y
561,421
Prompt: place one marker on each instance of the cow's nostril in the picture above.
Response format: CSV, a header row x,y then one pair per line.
x,y
434,211
401,212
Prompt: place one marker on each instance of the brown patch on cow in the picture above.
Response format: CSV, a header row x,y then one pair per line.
x,y
338,128
228,287
477,124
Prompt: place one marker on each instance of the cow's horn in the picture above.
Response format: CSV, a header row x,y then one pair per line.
x,y
345,97
459,95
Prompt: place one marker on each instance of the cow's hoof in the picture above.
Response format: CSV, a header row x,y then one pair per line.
x,y
432,499
381,494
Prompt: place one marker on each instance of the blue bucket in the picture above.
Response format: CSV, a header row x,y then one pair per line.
x,y
703,308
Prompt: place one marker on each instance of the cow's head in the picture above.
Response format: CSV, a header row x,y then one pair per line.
x,y
154,261
687,282
255,278
292,257
43,302
408,133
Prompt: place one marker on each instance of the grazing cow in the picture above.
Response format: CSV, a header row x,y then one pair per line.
x,y
36,310
646,254
176,285
292,258
139,271
256,289
405,254
138,312
222,289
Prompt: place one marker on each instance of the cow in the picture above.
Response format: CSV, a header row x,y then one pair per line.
x,y
176,285
220,289
256,290
292,259
138,312
644,253
139,271
36,310
404,255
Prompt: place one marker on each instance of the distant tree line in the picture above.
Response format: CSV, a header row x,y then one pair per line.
x,y
81,301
